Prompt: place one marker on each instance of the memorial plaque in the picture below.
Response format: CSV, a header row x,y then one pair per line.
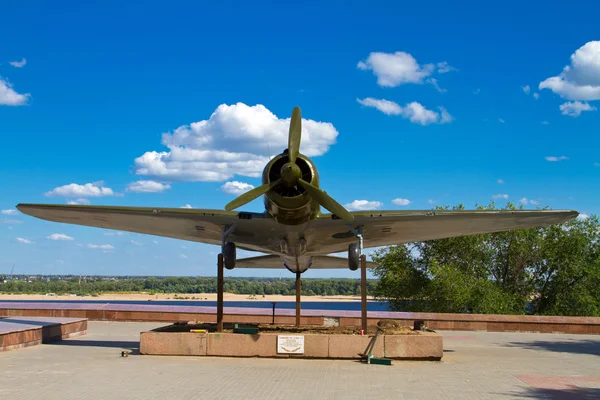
x,y
290,344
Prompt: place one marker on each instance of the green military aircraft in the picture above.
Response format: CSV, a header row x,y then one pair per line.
x,y
292,230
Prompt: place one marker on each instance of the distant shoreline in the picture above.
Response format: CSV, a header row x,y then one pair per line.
x,y
179,297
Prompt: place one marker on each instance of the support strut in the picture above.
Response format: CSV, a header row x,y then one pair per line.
x,y
220,276
358,232
298,292
220,293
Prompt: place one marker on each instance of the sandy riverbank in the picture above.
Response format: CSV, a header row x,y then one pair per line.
x,y
178,297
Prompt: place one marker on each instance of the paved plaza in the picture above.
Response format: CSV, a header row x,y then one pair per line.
x,y
476,365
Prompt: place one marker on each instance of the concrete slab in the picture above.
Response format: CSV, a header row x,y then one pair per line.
x,y
20,332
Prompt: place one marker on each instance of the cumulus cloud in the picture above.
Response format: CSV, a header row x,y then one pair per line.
x,y
401,202
236,188
24,241
545,123
10,212
501,120
435,84
147,187
186,206
100,246
580,80
363,205
95,189
526,89
8,96
233,141
536,95
80,201
556,159
583,216
133,242
415,112
524,201
59,236
19,64
500,196
394,69
575,108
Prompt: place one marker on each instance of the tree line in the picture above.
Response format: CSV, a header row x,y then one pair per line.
x,y
187,285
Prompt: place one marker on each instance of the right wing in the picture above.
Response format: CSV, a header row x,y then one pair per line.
x,y
274,262
253,231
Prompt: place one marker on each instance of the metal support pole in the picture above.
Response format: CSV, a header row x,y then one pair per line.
x,y
298,290
220,293
363,291
273,312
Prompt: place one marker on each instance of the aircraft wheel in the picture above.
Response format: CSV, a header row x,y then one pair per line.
x,y
229,255
353,257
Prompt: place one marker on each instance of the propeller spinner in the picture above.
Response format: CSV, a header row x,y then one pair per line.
x,y
291,176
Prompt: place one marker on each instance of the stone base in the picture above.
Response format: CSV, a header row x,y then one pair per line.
x,y
416,345
17,333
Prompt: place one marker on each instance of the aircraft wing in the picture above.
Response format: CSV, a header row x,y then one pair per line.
x,y
252,230
274,261
383,228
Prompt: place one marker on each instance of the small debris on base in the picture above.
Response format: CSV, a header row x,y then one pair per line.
x,y
124,354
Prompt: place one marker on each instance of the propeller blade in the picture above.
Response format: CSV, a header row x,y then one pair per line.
x,y
326,201
295,134
250,195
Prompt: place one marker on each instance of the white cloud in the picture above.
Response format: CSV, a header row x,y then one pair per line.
x,y
524,201
100,246
401,202
133,242
556,159
536,95
186,206
581,79
11,221
575,108
545,123
537,203
25,241
500,196
435,84
236,188
117,233
8,97
18,64
415,112
147,187
583,217
526,89
385,106
394,69
501,120
443,67
363,205
232,141
9,212
59,236
500,181
94,189
431,201
80,201
155,241
183,256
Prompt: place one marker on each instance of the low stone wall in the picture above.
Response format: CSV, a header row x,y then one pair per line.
x,y
436,321
421,346
16,333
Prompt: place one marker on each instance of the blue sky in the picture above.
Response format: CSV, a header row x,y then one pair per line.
x,y
429,104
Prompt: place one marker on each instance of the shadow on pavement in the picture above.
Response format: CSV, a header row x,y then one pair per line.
x,y
572,393
574,346
129,345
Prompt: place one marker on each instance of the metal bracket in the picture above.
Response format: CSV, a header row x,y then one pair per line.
x,y
358,232
226,232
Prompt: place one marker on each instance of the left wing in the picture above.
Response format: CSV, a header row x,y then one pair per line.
x,y
273,261
326,235
253,231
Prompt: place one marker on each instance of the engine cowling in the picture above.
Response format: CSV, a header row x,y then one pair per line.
x,y
290,205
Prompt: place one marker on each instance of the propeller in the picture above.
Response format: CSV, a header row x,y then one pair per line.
x,y
291,176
